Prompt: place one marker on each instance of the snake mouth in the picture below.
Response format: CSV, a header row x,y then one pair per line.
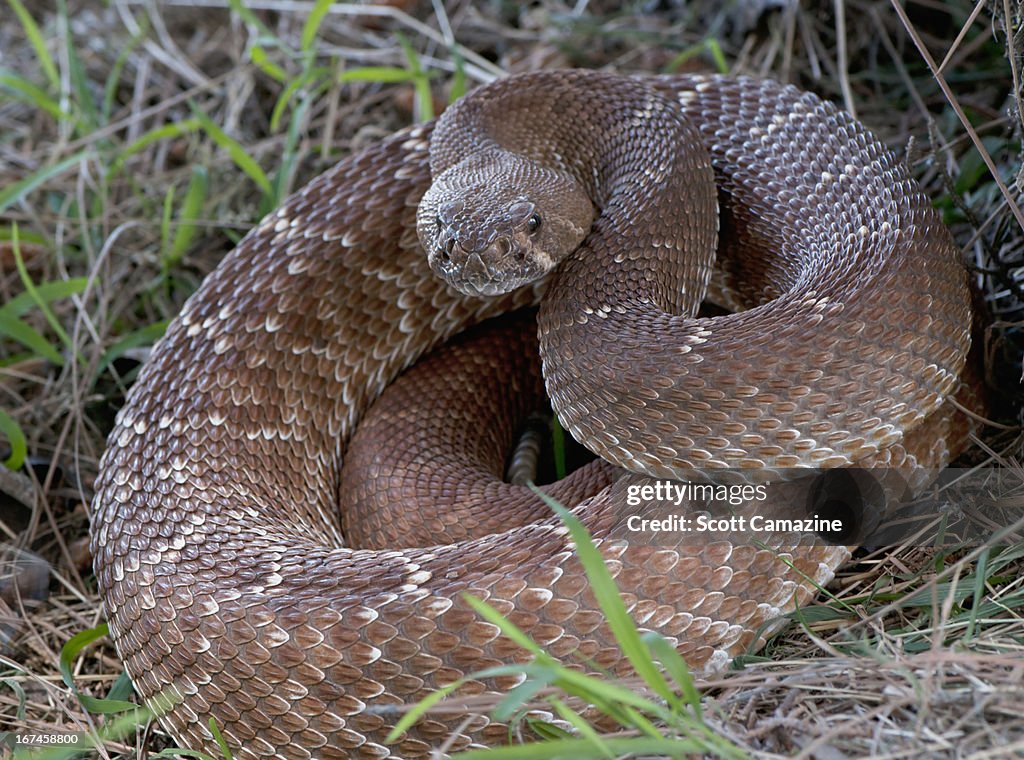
x,y
499,268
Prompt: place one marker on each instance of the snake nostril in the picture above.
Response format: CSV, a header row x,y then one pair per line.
x,y
445,256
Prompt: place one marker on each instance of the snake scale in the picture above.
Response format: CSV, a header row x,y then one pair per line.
x,y
222,499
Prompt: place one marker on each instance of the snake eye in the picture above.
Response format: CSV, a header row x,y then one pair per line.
x,y
533,224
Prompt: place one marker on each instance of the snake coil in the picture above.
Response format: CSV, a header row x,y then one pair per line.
x,y
216,531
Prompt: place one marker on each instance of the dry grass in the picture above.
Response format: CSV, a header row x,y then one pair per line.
x,y
916,653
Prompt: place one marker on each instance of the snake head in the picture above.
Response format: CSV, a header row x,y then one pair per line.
x,y
489,228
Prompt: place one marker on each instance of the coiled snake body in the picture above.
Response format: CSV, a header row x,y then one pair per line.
x,y
217,531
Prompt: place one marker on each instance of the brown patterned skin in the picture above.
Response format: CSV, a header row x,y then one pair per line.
x,y
216,527
427,463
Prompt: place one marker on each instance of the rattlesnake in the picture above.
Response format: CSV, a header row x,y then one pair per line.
x,y
216,526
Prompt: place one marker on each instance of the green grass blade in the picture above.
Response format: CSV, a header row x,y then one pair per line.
x,y
35,36
411,56
616,701
424,99
30,289
175,752
27,92
289,92
607,696
156,134
458,88
546,730
584,729
583,749
416,711
421,80
18,190
312,25
924,598
710,46
517,697
219,738
15,439
717,55
47,292
15,329
677,669
19,331
69,652
74,646
248,16
980,578
191,211
263,63
607,595
290,154
99,706
238,6
65,752
380,74
122,688
20,698
510,630
145,336
88,116
25,236
114,77
234,149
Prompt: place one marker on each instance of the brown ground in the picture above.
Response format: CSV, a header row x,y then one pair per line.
x,y
917,653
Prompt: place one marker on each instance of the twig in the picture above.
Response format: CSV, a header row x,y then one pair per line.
x,y
841,61
963,33
1011,53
